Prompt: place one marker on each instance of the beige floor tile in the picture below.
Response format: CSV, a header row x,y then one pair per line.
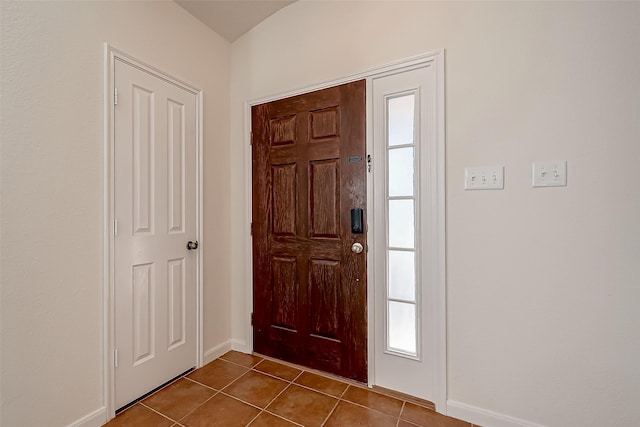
x,y
218,374
428,418
256,388
347,415
303,406
321,383
373,400
221,411
139,416
277,370
266,419
178,399
243,359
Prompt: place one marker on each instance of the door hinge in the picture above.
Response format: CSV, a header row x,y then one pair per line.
x,y
115,96
368,162
251,138
252,229
251,319
115,358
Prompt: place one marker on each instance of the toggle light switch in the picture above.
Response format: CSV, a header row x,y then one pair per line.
x,y
484,178
549,174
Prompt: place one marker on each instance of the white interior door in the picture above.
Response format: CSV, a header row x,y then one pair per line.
x,y
155,217
407,233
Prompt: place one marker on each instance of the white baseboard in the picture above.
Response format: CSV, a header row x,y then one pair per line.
x,y
94,419
215,352
239,345
483,417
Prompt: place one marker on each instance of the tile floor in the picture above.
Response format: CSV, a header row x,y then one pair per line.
x,y
244,390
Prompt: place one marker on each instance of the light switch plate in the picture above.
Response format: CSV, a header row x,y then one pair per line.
x,y
484,178
549,174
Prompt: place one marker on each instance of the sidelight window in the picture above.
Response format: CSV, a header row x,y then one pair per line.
x,y
401,202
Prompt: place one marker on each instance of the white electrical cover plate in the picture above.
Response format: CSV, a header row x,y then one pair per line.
x,y
549,174
484,178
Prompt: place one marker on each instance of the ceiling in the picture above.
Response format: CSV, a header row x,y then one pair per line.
x,y
233,18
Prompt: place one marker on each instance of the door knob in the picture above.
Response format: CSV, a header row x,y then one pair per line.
x,y
357,248
192,245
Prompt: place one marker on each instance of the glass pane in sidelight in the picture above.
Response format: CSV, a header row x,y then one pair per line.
x,y
402,327
401,172
401,224
402,275
400,118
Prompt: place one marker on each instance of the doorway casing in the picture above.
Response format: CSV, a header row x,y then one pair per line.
x,y
436,60
110,56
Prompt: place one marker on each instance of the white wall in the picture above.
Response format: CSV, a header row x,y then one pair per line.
x,y
543,284
52,189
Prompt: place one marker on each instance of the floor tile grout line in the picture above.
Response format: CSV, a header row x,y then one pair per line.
x,y
249,403
242,401
306,387
272,375
238,364
401,411
344,392
163,387
370,408
157,412
277,395
398,419
203,384
288,384
330,412
302,371
198,407
227,386
283,418
316,390
324,374
254,418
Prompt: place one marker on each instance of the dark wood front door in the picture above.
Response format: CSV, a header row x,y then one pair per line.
x,y
309,287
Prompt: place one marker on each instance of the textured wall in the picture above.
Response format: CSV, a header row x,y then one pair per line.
x,y
543,284
52,190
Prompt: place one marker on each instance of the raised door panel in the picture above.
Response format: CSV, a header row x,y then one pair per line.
x,y
144,307
284,199
324,123
283,131
143,160
176,303
285,292
324,285
176,166
324,198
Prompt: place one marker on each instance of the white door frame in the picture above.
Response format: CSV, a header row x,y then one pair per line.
x,y
436,60
110,55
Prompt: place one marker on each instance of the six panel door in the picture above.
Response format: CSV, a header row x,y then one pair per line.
x,y
309,171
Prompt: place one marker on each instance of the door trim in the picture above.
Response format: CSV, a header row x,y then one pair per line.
x,y
110,56
435,59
